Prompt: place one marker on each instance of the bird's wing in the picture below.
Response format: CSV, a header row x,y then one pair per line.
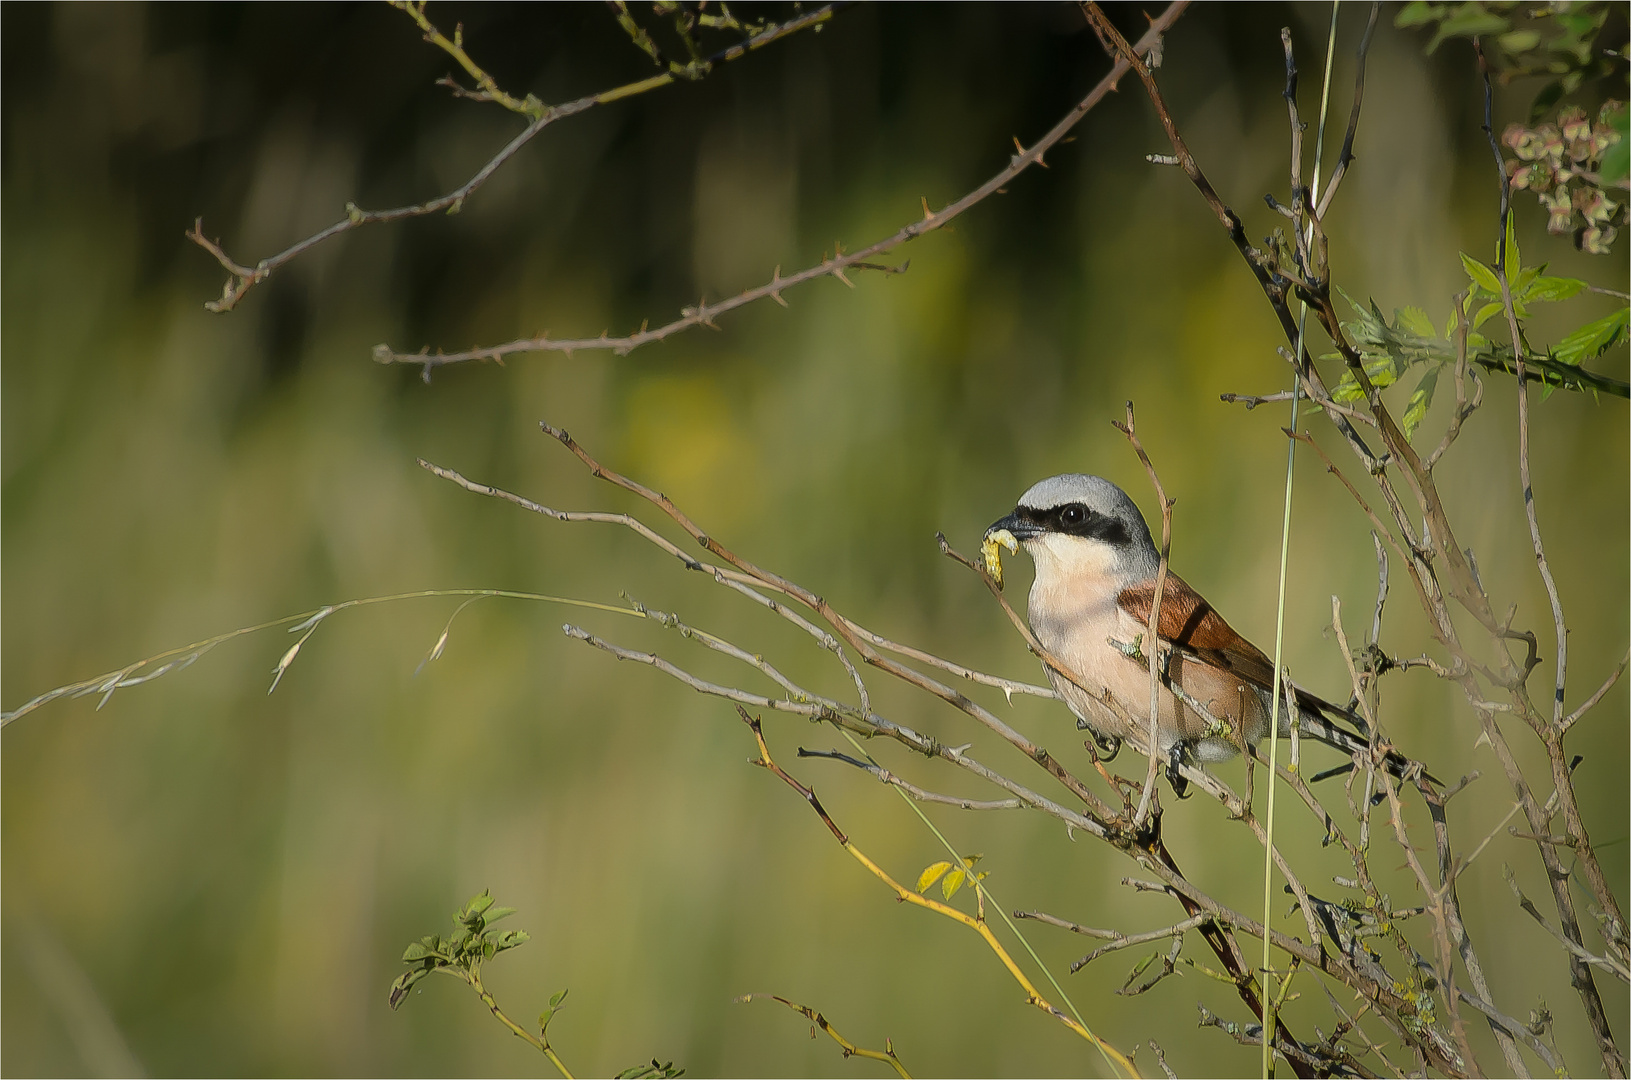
x,y
1193,625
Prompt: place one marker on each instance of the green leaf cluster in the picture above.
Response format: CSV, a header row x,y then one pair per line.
x,y
1558,39
1390,348
1569,162
472,943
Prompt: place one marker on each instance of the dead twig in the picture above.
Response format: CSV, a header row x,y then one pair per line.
x,y
1130,430
887,1054
244,278
704,313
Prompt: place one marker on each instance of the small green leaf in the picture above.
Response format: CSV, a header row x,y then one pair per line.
x,y
556,1003
1416,321
1593,339
1482,276
415,953
931,874
1450,326
1547,289
1514,258
1517,41
1420,401
1419,13
1468,20
480,903
404,982
1522,280
495,914
1486,311
509,939
952,882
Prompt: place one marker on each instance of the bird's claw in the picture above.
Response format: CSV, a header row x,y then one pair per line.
x,y
1175,758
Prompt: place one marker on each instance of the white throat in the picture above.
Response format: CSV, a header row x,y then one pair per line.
x,y
1073,575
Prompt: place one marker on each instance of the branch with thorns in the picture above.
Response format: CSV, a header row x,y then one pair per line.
x,y
1440,568
539,116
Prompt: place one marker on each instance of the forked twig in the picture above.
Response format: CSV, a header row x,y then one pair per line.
x,y
887,1054
834,266
244,278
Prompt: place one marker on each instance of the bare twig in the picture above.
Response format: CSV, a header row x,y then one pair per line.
x,y
1463,407
1066,924
1152,636
1513,1029
244,278
1146,848
1551,734
1296,1056
1345,157
887,1054
704,314
1607,963
1591,702
1251,402
920,794
637,34
486,88
1032,997
1177,930
1161,1060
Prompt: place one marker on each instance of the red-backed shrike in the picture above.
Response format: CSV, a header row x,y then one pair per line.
x,y
1090,606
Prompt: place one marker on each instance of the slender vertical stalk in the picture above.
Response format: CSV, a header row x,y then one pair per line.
x,y
1285,552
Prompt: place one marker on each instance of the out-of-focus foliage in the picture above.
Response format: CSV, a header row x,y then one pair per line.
x,y
1391,348
1558,38
1570,161
1567,165
203,879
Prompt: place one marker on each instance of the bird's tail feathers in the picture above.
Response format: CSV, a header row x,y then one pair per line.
x,y
1321,727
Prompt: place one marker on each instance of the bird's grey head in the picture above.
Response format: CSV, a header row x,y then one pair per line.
x,y
1072,521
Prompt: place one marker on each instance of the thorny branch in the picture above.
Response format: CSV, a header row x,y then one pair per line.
x,y
1219,922
1436,562
1313,285
704,313
1551,733
244,278
1438,567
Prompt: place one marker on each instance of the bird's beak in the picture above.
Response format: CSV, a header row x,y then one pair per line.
x,y
1015,526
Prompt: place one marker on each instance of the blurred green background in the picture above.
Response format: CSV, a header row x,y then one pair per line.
x,y
201,879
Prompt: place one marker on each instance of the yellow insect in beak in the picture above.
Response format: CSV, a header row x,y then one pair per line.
x,y
1001,538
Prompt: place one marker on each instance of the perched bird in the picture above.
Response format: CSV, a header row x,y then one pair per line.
x,y
1090,607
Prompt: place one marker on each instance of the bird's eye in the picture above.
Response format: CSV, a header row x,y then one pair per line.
x,y
1073,515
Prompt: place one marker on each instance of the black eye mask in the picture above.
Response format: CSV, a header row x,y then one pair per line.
x,y
1075,519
